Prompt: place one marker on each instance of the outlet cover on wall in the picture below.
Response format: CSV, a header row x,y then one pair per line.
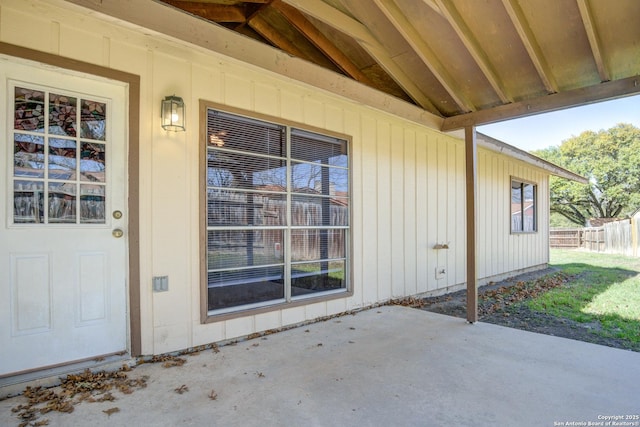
x,y
440,272
160,283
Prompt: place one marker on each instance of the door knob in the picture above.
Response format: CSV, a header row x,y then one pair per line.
x,y
117,233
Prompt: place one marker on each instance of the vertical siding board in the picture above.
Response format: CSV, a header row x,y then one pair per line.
x,y
397,209
432,213
423,218
482,209
450,199
488,213
460,225
313,112
334,118
238,91
266,99
383,210
503,215
498,208
410,213
352,122
169,153
367,176
73,44
13,31
291,106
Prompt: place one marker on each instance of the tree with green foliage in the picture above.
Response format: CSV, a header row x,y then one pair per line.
x,y
610,159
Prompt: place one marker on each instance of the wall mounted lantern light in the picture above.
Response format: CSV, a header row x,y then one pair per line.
x,y
173,113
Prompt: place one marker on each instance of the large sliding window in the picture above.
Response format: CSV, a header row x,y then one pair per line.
x,y
277,209
523,206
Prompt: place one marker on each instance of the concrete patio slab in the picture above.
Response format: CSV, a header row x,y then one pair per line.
x,y
388,366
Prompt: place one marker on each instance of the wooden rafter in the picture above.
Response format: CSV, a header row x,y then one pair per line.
x,y
594,40
302,24
531,45
262,27
473,47
424,52
211,11
223,2
333,17
544,104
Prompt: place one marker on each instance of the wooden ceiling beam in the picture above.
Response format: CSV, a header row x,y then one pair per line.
x,y
349,26
262,27
531,45
545,104
302,24
424,52
210,11
452,15
594,40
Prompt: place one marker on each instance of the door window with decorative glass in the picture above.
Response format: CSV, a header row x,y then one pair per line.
x,y
59,155
277,213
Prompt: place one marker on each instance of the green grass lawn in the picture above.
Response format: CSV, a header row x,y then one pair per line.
x,y
605,290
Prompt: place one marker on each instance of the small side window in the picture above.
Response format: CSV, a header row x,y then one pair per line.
x,y
523,207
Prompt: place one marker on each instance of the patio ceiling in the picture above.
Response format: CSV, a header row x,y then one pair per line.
x,y
467,62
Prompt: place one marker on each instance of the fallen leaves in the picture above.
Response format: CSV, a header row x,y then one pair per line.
x,y
167,360
75,388
408,302
497,299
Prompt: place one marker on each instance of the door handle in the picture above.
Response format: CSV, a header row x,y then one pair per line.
x,y
117,233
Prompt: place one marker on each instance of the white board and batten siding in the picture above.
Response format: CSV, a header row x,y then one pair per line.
x,y
408,184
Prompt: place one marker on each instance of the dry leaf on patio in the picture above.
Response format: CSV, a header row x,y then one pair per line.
x,y
111,410
183,388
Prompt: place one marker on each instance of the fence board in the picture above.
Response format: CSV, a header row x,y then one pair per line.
x,y
620,237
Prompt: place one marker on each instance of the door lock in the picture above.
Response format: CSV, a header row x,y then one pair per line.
x,y
117,214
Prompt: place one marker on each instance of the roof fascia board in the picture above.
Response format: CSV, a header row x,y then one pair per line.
x,y
547,103
493,144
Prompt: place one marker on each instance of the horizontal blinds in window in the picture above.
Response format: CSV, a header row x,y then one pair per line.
x,y
237,133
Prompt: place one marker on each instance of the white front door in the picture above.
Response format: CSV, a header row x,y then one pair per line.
x,y
63,290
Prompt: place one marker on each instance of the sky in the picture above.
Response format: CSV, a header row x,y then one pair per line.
x,y
550,129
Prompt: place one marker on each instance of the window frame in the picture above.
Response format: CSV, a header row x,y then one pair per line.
x,y
523,183
208,316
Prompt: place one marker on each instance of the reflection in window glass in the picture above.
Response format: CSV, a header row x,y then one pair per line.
x,y
313,277
62,114
92,162
62,159
48,154
237,208
242,171
244,248
92,208
62,202
28,155
28,202
92,120
523,207
29,111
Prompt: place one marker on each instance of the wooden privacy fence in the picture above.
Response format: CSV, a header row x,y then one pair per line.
x,y
620,237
